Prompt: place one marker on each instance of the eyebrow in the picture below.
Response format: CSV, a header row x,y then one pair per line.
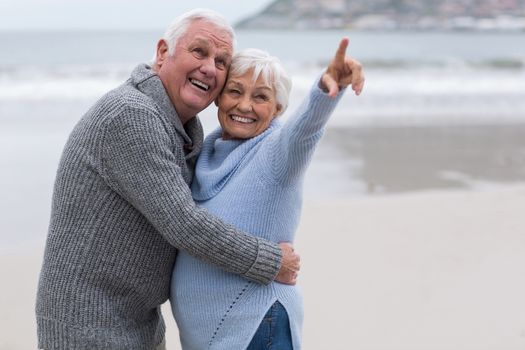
x,y
199,41
225,54
264,87
258,87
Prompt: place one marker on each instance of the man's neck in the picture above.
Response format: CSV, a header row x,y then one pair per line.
x,y
184,118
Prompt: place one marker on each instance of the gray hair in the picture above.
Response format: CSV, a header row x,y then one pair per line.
x,y
267,66
178,27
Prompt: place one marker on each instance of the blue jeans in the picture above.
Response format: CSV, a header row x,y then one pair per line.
x,y
274,331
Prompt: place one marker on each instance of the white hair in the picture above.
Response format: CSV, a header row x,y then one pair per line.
x,y
179,26
267,66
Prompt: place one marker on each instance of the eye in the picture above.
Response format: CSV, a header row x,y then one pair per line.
x,y
234,91
221,63
198,52
261,97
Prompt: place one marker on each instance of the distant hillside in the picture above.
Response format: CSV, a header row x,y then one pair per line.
x,y
390,15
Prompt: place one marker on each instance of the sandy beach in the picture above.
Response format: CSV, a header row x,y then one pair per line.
x,y
428,270
412,234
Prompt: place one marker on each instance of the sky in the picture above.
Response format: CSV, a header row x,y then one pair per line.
x,y
111,14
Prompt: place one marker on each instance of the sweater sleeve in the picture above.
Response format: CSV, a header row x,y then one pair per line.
x,y
138,163
293,149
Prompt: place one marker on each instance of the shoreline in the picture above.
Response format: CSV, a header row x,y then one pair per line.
x,y
384,160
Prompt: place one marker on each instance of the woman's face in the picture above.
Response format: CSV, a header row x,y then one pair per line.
x,y
246,108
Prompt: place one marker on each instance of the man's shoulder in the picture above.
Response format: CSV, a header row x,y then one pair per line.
x,y
127,96
124,102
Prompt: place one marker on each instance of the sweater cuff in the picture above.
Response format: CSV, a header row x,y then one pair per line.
x,y
267,264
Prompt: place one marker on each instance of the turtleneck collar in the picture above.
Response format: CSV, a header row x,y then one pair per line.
x,y
147,81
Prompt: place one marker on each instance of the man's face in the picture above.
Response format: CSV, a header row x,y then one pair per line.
x,y
195,74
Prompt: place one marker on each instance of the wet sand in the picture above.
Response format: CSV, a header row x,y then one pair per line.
x,y
405,159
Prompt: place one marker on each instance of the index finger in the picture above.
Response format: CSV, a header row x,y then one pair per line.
x,y
341,50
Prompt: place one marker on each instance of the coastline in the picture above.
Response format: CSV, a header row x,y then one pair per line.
x,y
433,270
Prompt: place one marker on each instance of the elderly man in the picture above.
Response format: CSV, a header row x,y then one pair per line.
x,y
122,206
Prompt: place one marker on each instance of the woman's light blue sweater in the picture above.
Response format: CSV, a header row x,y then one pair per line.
x,y
256,185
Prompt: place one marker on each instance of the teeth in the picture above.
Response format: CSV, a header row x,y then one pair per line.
x,y
242,119
199,84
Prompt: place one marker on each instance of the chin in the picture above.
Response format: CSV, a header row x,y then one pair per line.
x,y
233,136
199,105
197,102
243,136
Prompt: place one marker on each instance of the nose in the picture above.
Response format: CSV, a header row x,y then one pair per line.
x,y
245,104
208,67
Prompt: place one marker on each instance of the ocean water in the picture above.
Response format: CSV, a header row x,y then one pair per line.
x,y
449,87
412,78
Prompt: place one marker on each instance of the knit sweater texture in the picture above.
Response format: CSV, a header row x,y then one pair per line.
x,y
121,209
256,185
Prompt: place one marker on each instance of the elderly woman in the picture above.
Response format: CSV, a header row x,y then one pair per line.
x,y
250,174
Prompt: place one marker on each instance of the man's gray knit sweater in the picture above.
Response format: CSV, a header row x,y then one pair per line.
x,y
121,209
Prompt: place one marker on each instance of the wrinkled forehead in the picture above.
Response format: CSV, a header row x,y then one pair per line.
x,y
257,75
250,78
209,34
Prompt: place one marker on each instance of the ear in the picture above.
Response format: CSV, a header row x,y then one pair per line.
x,y
162,52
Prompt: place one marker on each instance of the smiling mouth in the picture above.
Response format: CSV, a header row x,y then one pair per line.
x,y
199,84
240,119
